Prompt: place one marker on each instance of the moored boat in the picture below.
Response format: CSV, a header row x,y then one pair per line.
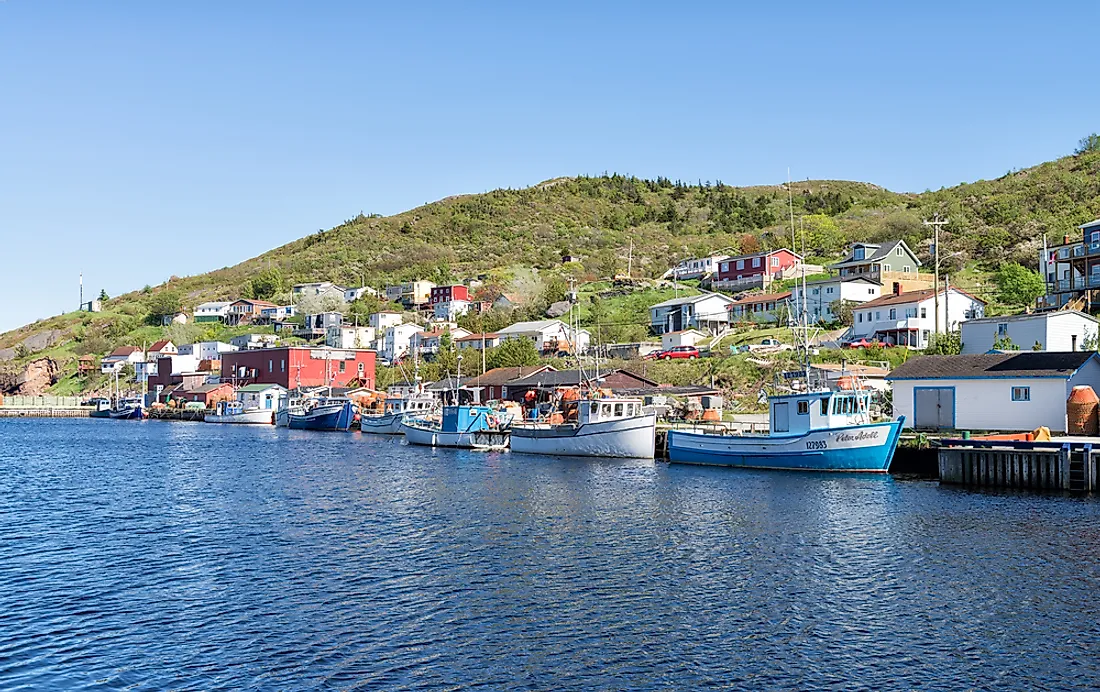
x,y
467,427
809,431
595,427
234,412
394,411
333,414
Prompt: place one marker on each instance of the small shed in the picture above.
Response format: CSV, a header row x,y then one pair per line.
x,y
265,396
1014,392
684,337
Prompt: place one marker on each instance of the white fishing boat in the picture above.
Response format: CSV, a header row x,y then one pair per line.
x,y
596,427
394,411
235,412
289,405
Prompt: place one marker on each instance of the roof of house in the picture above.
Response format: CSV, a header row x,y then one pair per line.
x,y
910,297
762,253
123,352
87,359
691,300
993,365
477,337
763,298
502,376
1032,316
534,326
1090,224
214,305
852,368
159,345
204,388
259,303
881,252
250,388
684,331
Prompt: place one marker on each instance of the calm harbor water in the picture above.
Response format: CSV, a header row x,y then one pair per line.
x,y
152,555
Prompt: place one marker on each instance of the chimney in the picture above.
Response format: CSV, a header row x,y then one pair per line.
x,y
897,288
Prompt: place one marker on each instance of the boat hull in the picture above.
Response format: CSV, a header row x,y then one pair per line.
x,y
120,414
257,417
385,424
336,418
630,438
433,437
858,448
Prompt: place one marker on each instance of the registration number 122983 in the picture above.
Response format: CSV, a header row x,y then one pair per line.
x,y
816,445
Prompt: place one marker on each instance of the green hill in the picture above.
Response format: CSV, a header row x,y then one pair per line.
x,y
517,238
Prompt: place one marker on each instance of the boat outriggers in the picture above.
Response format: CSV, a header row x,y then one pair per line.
x,y
816,431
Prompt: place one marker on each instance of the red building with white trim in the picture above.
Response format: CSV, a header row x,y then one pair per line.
x,y
293,366
445,294
757,264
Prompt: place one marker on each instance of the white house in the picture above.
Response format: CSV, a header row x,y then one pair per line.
x,y
207,350
277,313
397,340
451,309
212,312
247,341
353,294
317,288
348,336
1058,330
381,321
995,391
684,337
822,293
708,312
549,336
261,396
908,319
696,267
116,359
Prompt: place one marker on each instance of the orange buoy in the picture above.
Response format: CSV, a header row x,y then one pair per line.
x,y
846,382
1081,411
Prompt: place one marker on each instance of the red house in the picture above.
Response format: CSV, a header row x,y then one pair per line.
x,y
294,366
746,267
445,294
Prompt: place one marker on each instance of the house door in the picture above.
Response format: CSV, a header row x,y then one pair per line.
x,y
934,408
677,321
781,418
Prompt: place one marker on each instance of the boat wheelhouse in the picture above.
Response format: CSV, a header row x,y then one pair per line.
x,y
235,412
460,426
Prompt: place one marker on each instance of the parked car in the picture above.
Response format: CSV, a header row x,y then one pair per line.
x,y
769,345
679,352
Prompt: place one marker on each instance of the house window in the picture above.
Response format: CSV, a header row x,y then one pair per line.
x,y
361,369
829,289
907,268
924,336
1094,236
858,253
1021,393
878,315
755,262
343,365
740,264
910,312
775,261
886,267
816,291
725,266
893,313
861,317
803,408
897,251
870,291
1002,329
282,365
923,313
271,366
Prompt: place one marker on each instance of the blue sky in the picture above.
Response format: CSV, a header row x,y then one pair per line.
x,y
144,139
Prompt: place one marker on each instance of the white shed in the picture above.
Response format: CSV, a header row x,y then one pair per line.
x,y
684,337
1014,392
1058,330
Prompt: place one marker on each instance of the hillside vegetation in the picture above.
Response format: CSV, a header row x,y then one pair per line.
x,y
517,238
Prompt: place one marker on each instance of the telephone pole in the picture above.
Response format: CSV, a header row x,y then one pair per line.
x,y
935,223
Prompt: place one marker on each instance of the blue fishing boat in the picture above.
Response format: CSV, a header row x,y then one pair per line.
x,y
810,431
334,414
460,426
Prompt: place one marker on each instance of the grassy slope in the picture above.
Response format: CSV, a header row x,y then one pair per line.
x,y
503,231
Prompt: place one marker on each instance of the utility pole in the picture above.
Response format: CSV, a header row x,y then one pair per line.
x,y
81,291
935,223
630,259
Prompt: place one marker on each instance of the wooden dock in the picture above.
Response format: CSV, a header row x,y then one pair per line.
x,y
1026,466
44,412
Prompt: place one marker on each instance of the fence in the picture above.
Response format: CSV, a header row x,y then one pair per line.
x,y
40,401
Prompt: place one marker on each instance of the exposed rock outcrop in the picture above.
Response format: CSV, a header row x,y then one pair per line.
x,y
34,379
